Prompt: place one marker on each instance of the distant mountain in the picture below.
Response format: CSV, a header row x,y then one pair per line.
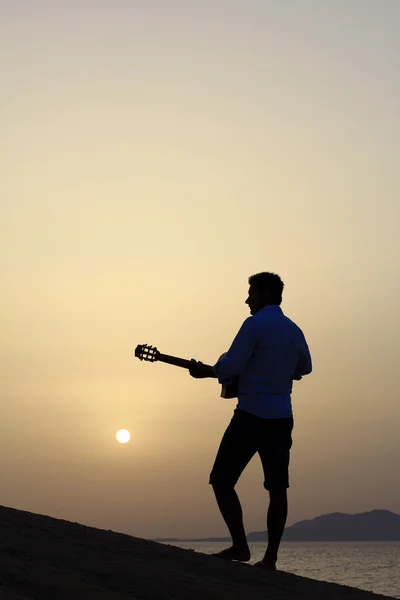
x,y
374,526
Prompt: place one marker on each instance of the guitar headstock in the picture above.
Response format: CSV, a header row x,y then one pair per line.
x,y
146,352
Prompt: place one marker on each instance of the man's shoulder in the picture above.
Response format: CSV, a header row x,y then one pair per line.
x,y
275,319
293,327
290,321
249,323
269,314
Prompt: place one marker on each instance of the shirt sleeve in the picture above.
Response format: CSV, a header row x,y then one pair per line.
x,y
304,365
242,349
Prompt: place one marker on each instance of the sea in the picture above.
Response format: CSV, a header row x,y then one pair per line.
x,y
370,566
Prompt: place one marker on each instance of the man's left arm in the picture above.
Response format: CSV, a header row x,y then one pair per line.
x,y
199,370
238,355
234,361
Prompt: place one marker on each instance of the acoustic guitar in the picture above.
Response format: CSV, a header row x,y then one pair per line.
x,y
151,354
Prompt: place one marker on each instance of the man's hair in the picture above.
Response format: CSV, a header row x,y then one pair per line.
x,y
268,282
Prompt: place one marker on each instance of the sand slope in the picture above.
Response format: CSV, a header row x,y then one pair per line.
x,y
50,559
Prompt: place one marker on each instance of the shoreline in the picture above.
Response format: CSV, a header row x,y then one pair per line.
x,y
56,559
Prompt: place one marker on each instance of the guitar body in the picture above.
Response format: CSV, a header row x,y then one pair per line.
x,y
230,390
151,354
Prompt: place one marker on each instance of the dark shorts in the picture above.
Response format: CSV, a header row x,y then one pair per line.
x,y
247,434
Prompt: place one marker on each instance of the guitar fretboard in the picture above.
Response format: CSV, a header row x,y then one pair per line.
x,y
174,360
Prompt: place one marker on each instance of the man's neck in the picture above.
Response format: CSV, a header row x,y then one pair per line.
x,y
269,304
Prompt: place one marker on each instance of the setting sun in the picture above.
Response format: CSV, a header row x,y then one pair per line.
x,y
123,436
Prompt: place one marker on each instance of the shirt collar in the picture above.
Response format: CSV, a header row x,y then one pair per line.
x,y
271,307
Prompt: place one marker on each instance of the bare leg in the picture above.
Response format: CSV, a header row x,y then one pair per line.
x,y
231,511
276,520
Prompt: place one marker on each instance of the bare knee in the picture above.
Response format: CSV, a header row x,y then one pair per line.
x,y
222,488
278,494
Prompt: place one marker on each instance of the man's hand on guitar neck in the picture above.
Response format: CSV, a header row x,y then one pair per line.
x,y
199,370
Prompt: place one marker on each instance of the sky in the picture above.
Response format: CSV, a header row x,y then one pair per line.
x,y
154,155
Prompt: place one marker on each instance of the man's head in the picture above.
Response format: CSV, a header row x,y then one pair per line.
x,y
265,288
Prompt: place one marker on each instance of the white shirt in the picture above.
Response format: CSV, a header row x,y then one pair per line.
x,y
268,353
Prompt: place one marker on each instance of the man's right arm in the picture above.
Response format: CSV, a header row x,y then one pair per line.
x,y
304,365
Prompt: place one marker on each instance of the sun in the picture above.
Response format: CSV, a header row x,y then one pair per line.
x,y
123,436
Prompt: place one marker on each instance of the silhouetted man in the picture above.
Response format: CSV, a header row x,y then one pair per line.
x,y
268,353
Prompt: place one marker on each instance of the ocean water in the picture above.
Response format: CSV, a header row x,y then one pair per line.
x,y
371,566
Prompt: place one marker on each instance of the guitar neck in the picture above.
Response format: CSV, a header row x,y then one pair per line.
x,y
174,360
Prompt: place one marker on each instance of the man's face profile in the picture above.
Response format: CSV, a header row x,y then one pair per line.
x,y
253,299
257,299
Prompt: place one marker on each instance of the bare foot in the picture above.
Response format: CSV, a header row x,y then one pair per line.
x,y
241,553
267,565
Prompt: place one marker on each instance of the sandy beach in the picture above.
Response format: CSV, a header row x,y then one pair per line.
x,y
43,558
